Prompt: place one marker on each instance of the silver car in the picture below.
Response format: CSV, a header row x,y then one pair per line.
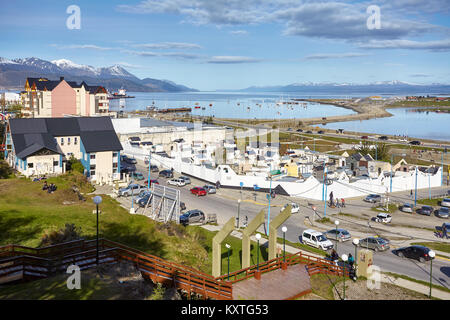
x,y
340,234
407,207
374,243
443,212
209,188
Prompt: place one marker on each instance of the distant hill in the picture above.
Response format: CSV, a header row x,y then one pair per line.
x,y
13,74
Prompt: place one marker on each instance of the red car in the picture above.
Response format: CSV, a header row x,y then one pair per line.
x,y
364,137
198,191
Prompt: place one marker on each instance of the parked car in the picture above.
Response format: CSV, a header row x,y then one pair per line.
x,y
132,189
209,188
187,180
364,137
375,243
137,176
372,198
192,216
316,239
426,210
295,208
176,182
128,159
415,143
289,129
142,194
144,201
309,131
383,138
414,252
407,207
198,191
339,234
383,218
125,167
154,168
299,130
320,132
166,173
443,212
153,181
445,202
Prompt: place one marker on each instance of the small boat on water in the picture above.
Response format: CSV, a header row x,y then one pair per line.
x,y
120,94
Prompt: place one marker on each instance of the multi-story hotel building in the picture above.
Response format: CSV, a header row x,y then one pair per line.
x,y
45,98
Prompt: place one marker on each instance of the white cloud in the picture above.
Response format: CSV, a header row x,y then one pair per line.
x,y
436,45
322,56
168,45
239,32
81,46
232,59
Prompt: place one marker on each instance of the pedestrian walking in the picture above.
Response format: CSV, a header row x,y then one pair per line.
x,y
343,203
444,232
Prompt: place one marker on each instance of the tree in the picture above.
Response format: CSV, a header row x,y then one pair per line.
x,y
74,165
381,152
5,170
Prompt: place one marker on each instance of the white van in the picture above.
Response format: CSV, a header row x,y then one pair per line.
x,y
316,239
294,207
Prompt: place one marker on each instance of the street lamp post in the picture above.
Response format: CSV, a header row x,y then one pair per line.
x,y
432,254
356,242
258,237
239,212
336,223
97,200
270,196
415,190
284,229
149,167
228,253
344,258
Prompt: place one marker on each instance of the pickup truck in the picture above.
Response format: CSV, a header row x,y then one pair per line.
x,y
132,189
197,216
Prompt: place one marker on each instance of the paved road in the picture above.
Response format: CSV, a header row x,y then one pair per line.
x,y
225,205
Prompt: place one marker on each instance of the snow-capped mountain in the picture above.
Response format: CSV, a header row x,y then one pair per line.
x,y
13,74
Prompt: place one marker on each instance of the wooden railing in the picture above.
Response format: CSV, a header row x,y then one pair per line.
x,y
313,264
19,262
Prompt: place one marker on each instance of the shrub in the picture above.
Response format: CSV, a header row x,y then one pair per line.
x,y
5,170
69,233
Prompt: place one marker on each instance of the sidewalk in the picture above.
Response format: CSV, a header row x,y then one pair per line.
x,y
436,293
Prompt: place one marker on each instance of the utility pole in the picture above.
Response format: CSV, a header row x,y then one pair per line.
x,y
149,166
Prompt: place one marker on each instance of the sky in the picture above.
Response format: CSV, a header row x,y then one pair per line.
x,y
234,44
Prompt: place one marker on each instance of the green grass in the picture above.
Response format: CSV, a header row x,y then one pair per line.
x,y
391,208
440,246
323,285
426,283
430,202
27,213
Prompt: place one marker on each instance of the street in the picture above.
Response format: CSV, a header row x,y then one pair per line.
x,y
357,213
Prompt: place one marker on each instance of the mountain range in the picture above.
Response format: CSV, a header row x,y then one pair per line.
x,y
13,74
379,87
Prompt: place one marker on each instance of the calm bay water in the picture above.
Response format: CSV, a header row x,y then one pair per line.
x,y
229,105
427,125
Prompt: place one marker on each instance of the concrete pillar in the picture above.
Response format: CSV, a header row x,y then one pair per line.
x,y
365,260
274,225
246,233
217,244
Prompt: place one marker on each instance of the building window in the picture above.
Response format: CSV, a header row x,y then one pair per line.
x,y
92,173
62,141
75,141
68,141
30,165
55,163
92,166
115,154
92,156
115,170
115,165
